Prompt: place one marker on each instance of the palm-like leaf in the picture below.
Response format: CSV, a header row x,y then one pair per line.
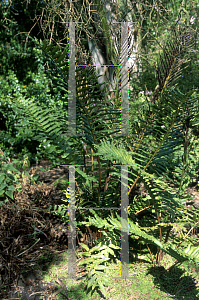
x,y
187,254
173,58
151,161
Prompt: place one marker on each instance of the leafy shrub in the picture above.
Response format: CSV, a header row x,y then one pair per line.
x,y
9,177
22,74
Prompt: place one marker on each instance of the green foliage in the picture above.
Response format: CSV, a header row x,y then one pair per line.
x,y
153,35
60,210
97,256
9,176
95,119
189,253
22,73
161,148
12,176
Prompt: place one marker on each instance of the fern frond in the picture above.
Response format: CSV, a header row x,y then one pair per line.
x,y
189,254
149,165
49,123
172,58
119,155
96,275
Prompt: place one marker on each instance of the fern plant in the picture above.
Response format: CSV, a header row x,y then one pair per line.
x,y
160,146
95,120
96,270
111,239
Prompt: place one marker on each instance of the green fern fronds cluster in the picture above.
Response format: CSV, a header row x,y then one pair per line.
x,y
96,265
160,148
134,230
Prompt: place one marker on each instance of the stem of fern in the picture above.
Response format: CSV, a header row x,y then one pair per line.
x,y
117,87
98,159
186,142
92,164
151,255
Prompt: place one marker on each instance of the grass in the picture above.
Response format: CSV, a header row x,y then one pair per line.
x,y
144,282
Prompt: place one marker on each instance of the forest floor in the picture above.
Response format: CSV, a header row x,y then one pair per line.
x,y
34,264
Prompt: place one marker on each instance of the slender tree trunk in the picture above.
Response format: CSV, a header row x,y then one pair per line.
x,y
102,57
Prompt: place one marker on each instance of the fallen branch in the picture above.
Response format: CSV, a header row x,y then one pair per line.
x,y
28,248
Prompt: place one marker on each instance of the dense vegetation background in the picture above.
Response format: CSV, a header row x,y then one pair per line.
x,y
23,70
